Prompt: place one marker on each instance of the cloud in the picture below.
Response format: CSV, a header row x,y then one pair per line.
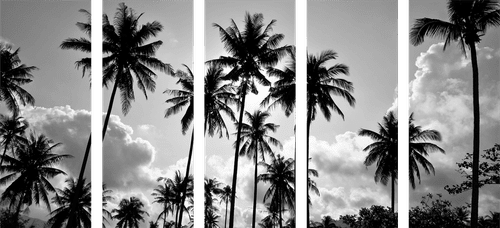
x,y
441,99
127,159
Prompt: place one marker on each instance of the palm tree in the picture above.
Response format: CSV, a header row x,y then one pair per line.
x,y
250,50
129,213
273,216
419,148
217,98
225,195
165,195
326,222
12,132
63,199
177,187
256,141
384,151
30,171
13,76
322,83
105,198
211,189
469,20
126,55
211,219
280,174
311,185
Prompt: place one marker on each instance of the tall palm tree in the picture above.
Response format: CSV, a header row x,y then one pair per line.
x,y
384,151
165,195
30,170
129,213
13,76
280,174
127,56
63,199
322,83
225,195
468,21
326,222
217,98
177,187
249,50
419,148
256,141
12,132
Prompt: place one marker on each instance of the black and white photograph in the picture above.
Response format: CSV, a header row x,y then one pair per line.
x,y
249,113
352,76
455,117
45,114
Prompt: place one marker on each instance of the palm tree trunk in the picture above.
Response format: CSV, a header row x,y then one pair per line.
x,y
235,168
279,208
71,222
3,155
475,151
392,193
177,216
165,215
185,182
254,211
225,220
309,119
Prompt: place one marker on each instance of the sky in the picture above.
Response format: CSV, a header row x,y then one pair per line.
x,y
143,145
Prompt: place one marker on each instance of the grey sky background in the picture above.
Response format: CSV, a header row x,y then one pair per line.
x,y
143,145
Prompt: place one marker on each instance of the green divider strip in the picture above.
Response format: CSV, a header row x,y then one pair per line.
x,y
96,114
300,155
199,47
403,113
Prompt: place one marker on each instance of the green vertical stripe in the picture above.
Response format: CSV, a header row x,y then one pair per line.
x,y
96,114
403,113
300,155
199,46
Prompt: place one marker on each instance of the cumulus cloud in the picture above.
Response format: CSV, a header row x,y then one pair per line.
x,y
441,99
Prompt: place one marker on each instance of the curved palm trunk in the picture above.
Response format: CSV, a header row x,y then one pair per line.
x,y
280,217
254,190
235,169
177,216
392,193
3,155
475,153
71,220
309,119
181,208
187,172
225,220
165,215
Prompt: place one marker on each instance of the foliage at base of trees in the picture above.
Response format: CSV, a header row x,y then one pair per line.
x,y
489,170
375,216
437,212
433,212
